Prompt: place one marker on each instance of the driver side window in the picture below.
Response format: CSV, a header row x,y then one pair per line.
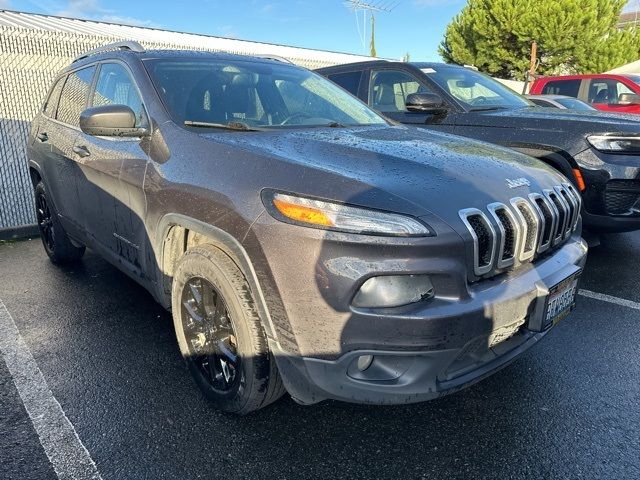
x,y
115,87
390,88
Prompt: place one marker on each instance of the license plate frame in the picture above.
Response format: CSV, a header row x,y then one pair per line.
x,y
560,301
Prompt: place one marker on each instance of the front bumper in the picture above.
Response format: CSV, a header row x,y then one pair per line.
x,y
441,346
612,196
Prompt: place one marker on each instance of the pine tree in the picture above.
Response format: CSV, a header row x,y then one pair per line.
x,y
573,36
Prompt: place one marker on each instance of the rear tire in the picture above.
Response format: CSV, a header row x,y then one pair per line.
x,y
57,244
220,333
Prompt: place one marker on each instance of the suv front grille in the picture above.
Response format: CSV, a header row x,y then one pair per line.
x,y
519,232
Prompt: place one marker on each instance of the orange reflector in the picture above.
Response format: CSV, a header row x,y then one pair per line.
x,y
302,213
581,185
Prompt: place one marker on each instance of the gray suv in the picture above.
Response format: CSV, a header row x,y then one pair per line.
x,y
301,241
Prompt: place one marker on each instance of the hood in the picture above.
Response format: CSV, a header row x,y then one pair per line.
x,y
551,119
435,172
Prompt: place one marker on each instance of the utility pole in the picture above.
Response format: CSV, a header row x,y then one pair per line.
x,y
368,7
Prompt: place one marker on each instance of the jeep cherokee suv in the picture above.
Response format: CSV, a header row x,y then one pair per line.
x,y
598,152
301,242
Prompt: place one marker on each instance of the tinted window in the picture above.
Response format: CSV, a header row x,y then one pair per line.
x,y
606,91
116,87
570,88
390,88
350,81
52,102
259,94
74,96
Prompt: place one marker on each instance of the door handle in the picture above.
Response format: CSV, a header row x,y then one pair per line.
x,y
81,151
43,137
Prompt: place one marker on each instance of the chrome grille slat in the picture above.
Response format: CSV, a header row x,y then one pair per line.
x,y
470,216
530,226
547,221
517,232
508,234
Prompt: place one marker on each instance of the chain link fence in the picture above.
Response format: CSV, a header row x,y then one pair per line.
x,y
29,62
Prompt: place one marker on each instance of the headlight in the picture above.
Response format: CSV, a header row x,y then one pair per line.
x,y
611,143
343,218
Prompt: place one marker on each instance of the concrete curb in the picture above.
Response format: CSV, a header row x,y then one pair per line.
x,y
22,231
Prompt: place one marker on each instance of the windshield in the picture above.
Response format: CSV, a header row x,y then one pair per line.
x,y
475,90
252,95
634,78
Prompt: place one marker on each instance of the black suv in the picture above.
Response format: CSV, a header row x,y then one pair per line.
x,y
599,152
300,240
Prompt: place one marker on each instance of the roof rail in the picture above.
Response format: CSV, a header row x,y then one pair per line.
x,y
272,57
126,45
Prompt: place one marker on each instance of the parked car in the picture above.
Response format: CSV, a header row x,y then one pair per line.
x,y
611,93
599,153
301,241
559,101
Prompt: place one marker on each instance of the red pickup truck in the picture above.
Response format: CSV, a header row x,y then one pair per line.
x,y
612,93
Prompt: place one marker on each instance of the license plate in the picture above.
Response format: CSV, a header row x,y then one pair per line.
x,y
561,300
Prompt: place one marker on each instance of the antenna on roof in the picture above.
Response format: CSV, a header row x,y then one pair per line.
x,y
126,45
367,8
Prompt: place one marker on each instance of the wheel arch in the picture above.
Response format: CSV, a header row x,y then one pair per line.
x,y
34,173
177,233
554,157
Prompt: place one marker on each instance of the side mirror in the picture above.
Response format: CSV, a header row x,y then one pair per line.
x,y
628,99
425,103
110,121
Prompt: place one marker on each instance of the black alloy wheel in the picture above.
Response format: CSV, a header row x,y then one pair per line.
x,y
210,335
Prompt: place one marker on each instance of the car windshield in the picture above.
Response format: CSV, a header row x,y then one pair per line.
x,y
574,104
634,78
475,90
251,95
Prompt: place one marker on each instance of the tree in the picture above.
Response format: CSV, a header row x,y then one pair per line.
x,y
573,36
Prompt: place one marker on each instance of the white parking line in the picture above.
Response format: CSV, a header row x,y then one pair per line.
x,y
67,454
609,298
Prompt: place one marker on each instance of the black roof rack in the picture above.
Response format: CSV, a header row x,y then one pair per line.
x,y
126,45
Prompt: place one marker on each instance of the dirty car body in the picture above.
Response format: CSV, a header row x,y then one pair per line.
x,y
599,152
446,260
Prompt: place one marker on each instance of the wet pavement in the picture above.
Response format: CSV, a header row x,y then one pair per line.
x,y
568,408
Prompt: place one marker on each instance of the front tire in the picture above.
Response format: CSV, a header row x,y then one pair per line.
x,y
55,241
220,333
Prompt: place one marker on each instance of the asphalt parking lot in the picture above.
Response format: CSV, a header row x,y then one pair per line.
x,y
569,408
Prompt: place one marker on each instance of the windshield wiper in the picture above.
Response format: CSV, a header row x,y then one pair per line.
x,y
239,126
334,125
487,109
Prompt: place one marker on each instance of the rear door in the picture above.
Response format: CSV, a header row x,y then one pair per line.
x,y
113,172
61,169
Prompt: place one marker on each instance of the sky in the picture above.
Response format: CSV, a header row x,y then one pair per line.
x,y
414,26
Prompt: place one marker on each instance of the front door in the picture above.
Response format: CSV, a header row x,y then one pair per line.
x,y
113,169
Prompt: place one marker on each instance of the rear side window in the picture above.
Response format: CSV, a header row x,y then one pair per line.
x,y
570,88
52,102
350,81
74,96
116,87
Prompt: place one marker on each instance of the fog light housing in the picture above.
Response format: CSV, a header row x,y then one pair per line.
x,y
364,362
393,291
